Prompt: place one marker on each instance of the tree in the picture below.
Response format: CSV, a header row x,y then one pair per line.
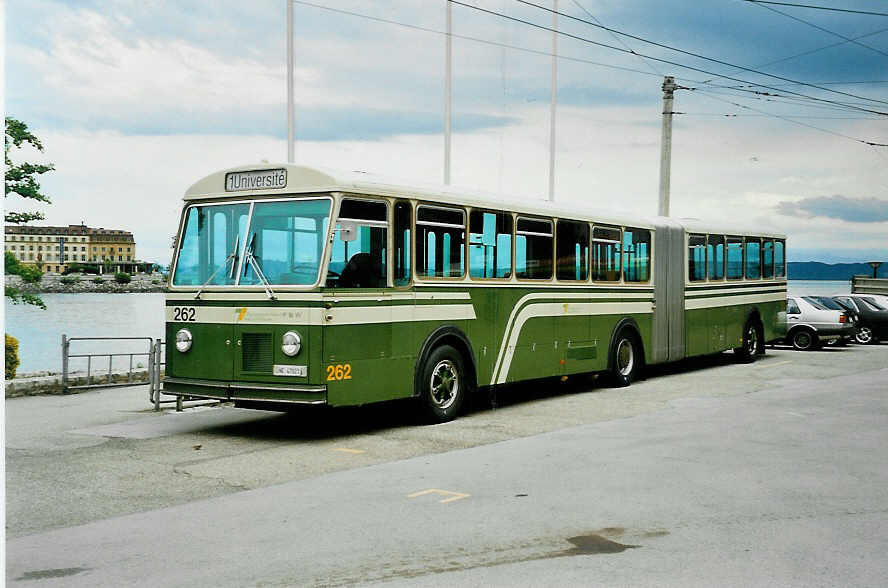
x,y
21,179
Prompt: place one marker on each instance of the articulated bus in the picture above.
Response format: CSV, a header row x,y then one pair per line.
x,y
298,285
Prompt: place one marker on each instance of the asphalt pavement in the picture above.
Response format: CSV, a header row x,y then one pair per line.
x,y
707,473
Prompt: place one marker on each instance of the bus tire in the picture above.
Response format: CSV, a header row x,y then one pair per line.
x,y
752,342
626,359
444,384
804,339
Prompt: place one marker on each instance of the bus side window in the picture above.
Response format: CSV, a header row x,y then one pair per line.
x,y
735,258
572,250
715,256
779,259
533,248
490,244
606,254
636,255
403,213
753,258
768,259
440,233
696,258
359,260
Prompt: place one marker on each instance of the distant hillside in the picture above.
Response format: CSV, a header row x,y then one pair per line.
x,y
814,270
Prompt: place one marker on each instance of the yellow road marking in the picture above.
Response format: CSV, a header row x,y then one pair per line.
x,y
347,450
778,363
453,495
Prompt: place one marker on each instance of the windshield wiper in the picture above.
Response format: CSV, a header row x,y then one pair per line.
x,y
252,262
232,257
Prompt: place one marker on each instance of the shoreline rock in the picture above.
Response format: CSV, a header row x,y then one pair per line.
x,y
83,283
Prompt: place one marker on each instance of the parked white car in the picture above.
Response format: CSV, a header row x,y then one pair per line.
x,y
810,324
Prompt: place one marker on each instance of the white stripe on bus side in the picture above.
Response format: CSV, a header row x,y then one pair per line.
x,y
558,295
715,302
543,309
347,315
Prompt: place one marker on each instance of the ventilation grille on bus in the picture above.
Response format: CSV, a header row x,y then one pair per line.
x,y
258,353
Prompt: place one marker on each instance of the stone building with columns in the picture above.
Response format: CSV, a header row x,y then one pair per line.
x,y
53,249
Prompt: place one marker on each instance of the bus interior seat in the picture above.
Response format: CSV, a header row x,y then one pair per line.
x,y
360,272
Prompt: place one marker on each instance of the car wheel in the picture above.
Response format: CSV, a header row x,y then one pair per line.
x,y
865,335
752,343
444,385
804,340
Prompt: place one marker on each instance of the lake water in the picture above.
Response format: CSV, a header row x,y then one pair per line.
x,y
141,315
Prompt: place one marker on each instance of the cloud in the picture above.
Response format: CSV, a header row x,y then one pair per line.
x,y
855,210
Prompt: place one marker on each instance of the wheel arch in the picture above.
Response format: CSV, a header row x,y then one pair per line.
x,y
446,335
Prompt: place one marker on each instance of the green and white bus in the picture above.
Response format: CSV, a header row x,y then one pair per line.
x,y
299,285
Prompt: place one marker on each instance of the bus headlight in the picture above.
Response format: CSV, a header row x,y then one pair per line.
x,y
183,340
291,343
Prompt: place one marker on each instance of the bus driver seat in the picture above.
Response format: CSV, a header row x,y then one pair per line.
x,y
359,273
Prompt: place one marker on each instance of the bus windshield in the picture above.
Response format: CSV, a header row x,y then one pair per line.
x,y
224,244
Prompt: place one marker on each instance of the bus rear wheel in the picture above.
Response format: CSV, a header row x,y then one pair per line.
x,y
626,361
752,344
443,385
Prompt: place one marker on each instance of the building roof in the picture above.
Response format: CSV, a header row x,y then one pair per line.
x,y
80,229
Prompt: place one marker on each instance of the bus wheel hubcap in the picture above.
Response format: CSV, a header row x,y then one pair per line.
x,y
444,384
625,357
751,341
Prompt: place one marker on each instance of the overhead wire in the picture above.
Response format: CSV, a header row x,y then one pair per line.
x,y
656,44
819,28
848,10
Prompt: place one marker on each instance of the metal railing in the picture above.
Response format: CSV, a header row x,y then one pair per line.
x,y
107,380
153,370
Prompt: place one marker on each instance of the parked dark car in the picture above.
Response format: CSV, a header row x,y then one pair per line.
x,y
872,325
853,319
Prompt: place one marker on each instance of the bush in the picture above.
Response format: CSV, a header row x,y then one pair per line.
x,y
12,356
122,278
28,273
70,280
98,280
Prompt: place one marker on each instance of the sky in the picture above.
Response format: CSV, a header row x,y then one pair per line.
x,y
134,101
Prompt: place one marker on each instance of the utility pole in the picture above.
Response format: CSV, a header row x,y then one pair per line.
x,y
669,88
291,108
447,90
554,100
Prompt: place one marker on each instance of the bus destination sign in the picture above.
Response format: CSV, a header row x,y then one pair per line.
x,y
261,179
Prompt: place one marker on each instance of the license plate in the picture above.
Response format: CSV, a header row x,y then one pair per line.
x,y
291,370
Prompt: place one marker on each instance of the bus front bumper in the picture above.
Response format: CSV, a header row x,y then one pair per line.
x,y
251,391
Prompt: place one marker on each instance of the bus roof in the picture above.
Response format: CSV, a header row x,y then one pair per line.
x,y
247,182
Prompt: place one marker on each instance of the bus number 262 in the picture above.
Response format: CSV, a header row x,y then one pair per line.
x,y
339,372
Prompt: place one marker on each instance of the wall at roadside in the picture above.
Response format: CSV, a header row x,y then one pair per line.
x,y
84,283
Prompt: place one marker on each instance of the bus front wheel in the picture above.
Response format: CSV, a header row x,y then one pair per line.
x,y
444,385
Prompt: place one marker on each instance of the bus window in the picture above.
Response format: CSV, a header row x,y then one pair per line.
x,y
779,261
606,254
533,249
696,258
490,244
402,243
211,245
572,250
767,259
753,258
285,241
735,258
439,242
715,257
358,258
636,255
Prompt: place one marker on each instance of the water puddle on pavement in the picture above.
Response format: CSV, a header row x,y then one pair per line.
x,y
47,574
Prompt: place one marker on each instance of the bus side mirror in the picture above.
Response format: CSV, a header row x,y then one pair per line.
x,y
348,230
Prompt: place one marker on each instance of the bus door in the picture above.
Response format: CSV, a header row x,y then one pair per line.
x,y
358,309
